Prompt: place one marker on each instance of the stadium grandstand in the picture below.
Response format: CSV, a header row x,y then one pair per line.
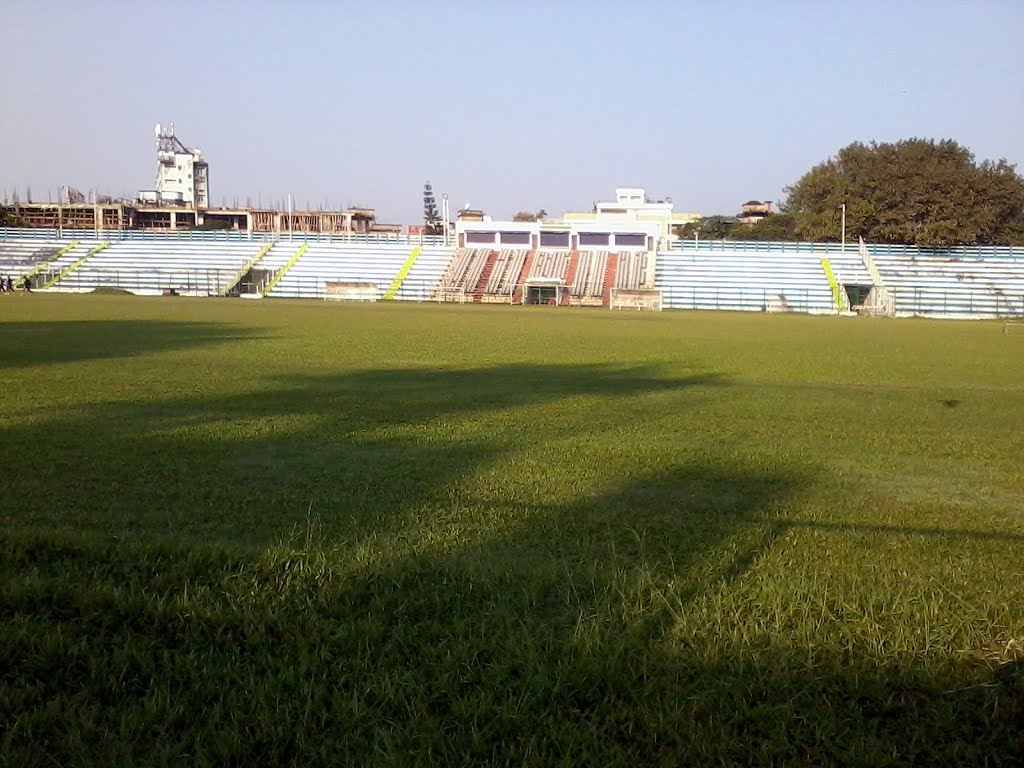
x,y
624,254
548,263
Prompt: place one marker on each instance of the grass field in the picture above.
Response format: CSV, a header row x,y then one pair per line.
x,y
271,533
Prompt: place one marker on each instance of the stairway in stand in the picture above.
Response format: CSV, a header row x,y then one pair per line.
x,y
517,297
570,276
485,275
609,276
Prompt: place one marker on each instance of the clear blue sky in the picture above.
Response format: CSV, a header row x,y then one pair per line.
x,y
505,105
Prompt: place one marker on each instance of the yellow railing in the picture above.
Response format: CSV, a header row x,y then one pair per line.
x,y
837,291
245,269
403,273
40,266
281,272
71,268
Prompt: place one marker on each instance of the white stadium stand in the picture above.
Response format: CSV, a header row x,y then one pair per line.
x,y
963,282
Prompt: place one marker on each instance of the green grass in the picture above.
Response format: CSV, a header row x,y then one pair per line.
x,y
277,532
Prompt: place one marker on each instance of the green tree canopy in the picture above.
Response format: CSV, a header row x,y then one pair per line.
x,y
773,227
530,215
431,218
916,191
710,228
9,219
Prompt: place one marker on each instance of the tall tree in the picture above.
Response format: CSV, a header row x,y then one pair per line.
x,y
773,227
710,228
431,217
8,218
916,191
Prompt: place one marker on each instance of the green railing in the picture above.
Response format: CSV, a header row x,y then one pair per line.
x,y
878,249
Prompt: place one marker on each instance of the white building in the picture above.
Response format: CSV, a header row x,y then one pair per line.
x,y
182,176
631,204
631,222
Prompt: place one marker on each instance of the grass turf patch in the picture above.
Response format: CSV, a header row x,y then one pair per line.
x,y
284,532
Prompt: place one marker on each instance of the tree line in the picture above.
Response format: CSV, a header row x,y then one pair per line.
x,y
912,192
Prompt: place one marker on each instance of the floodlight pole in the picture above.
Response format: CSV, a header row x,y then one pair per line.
x,y
842,246
444,213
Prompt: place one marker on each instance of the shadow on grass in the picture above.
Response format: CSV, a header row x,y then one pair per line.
x,y
907,530
358,448
548,644
41,343
151,615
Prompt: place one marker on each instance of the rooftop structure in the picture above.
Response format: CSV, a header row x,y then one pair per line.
x,y
753,211
182,176
631,221
181,200
632,204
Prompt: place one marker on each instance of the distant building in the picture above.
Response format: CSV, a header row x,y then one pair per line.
x,y
471,214
181,200
753,211
182,176
631,222
632,205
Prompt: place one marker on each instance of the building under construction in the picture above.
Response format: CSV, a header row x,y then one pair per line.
x,y
180,201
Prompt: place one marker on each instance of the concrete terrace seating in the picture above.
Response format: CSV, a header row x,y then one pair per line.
x,y
505,273
18,258
590,270
275,259
58,265
149,267
631,269
464,272
742,279
955,283
425,276
341,262
848,268
551,265
279,255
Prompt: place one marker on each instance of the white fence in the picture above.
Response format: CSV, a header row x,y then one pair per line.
x,y
350,291
635,298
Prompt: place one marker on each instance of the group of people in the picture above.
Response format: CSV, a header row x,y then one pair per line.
x,y
7,285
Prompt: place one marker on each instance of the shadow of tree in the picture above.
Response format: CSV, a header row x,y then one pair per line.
x,y
167,593
250,465
25,344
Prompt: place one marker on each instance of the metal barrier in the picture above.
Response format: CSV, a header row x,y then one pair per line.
x,y
18,233
908,301
743,299
877,249
931,301
213,282
313,287
191,282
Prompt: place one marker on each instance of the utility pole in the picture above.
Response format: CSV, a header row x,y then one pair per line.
x,y
445,214
842,246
